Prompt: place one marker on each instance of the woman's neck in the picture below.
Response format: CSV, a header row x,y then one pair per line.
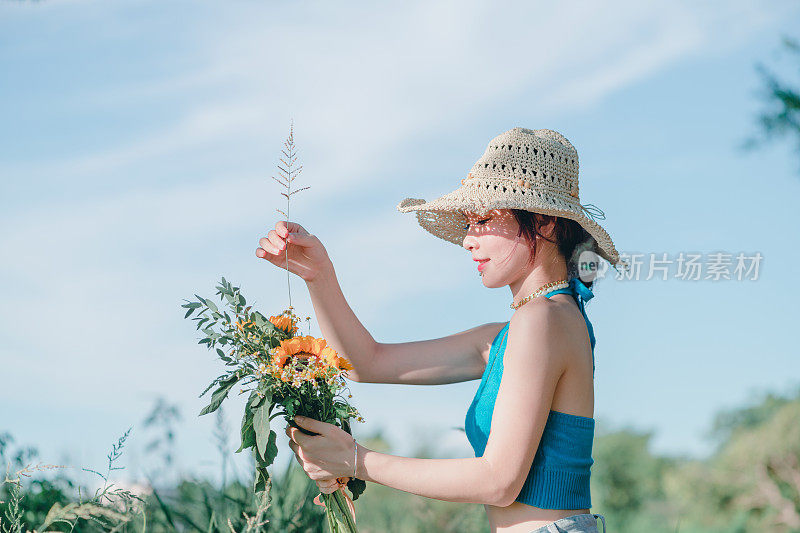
x,y
539,275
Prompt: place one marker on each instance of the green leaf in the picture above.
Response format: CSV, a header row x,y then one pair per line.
x,y
210,386
264,323
270,452
259,319
253,407
262,476
272,448
220,394
192,305
248,435
264,396
229,296
261,426
253,399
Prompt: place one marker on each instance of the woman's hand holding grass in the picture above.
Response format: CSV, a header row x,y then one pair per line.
x,y
307,256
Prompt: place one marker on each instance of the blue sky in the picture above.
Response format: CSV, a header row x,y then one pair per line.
x,y
139,138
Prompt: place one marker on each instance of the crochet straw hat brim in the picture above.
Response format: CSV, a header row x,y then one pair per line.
x,y
532,170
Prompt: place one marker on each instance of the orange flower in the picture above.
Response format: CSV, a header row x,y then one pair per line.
x,y
330,356
285,323
306,347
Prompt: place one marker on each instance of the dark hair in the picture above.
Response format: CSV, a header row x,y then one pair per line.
x,y
567,235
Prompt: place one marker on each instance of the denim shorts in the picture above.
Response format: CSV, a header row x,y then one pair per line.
x,y
577,523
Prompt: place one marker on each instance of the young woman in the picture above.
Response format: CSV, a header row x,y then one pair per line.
x,y
531,422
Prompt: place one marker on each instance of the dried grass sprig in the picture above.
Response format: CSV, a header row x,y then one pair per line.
x,y
287,176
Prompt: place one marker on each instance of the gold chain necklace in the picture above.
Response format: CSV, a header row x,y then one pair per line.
x,y
560,284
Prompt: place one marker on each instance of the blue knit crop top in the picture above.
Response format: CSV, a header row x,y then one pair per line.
x,y
559,475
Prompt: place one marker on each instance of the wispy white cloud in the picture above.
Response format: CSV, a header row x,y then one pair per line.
x,y
359,83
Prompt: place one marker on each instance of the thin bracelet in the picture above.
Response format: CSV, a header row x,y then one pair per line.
x,y
355,457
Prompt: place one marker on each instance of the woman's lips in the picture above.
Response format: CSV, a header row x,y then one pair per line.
x,y
481,265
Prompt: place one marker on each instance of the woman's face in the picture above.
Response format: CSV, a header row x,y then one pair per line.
x,y
494,237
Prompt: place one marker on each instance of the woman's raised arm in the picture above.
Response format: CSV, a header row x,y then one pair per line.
x,y
458,357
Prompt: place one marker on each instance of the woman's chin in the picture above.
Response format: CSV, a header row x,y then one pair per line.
x,y
489,283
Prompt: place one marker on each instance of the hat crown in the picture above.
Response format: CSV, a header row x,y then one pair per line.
x,y
544,158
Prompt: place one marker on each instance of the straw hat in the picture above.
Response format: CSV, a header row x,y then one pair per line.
x,y
533,170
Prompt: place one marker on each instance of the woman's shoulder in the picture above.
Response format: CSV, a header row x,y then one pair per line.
x,y
543,322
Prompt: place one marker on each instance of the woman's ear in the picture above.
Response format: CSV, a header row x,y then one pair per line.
x,y
547,226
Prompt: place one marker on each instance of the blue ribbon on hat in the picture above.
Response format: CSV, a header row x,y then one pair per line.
x,y
593,211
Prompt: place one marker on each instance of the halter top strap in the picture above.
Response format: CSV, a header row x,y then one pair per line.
x,y
582,294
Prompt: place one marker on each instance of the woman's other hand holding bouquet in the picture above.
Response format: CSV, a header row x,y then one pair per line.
x,y
325,457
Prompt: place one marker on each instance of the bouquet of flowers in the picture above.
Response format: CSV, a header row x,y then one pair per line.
x,y
285,374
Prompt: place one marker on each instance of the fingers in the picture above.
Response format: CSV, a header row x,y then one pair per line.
x,y
293,443
301,239
296,443
328,486
276,240
274,246
297,436
268,250
298,455
283,230
312,470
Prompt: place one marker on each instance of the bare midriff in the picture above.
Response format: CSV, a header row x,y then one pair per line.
x,y
523,518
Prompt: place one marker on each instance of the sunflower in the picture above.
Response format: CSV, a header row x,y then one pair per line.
x,y
304,347
285,323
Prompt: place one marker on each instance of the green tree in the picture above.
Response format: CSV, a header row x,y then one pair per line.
x,y
752,482
781,118
627,482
